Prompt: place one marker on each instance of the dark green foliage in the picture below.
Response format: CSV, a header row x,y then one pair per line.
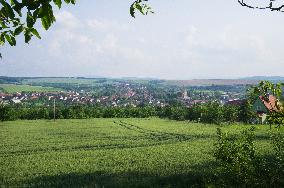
x,y
246,113
264,89
278,170
214,113
237,155
241,166
276,118
178,113
267,87
211,113
231,113
7,113
21,16
141,6
195,113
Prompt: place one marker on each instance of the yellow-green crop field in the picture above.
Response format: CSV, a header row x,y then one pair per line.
x,y
111,152
13,88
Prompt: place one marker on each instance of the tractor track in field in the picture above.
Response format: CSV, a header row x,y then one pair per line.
x,y
155,135
158,138
81,148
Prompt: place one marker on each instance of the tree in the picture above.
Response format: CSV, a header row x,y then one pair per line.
x,y
7,113
212,113
271,5
231,113
246,113
266,88
21,16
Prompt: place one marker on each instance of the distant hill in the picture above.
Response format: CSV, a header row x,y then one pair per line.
x,y
269,78
209,82
92,80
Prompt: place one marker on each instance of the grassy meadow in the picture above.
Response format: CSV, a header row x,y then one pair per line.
x,y
13,88
112,153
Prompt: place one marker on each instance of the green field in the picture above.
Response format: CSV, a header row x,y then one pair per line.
x,y
12,88
83,81
111,153
58,80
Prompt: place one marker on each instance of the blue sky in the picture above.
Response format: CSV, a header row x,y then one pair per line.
x,y
184,39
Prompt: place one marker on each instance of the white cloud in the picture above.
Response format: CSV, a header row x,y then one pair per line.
x,y
96,25
192,40
105,25
67,19
93,51
225,45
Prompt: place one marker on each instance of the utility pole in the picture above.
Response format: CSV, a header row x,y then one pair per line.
x,y
54,109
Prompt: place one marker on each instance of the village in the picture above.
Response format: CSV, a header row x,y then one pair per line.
x,y
124,94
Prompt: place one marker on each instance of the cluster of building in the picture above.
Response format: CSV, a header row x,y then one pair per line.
x,y
202,98
126,98
120,94
15,98
137,96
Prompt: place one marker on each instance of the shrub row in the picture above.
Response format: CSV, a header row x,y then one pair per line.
x,y
212,113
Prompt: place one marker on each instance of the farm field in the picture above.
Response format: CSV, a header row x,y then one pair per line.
x,y
12,88
111,152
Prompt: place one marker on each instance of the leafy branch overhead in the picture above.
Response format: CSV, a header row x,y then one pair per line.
x,y
20,16
141,6
272,5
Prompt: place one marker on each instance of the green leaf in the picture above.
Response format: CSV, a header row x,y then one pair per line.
x,y
36,14
3,24
27,36
47,17
18,30
8,9
30,20
141,6
45,22
58,3
18,7
11,40
35,32
2,38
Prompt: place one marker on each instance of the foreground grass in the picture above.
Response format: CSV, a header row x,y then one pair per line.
x,y
111,153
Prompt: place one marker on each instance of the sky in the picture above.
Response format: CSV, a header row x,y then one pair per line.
x,y
184,39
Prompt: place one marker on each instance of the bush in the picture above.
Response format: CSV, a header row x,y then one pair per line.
x,y
241,167
246,113
231,113
7,113
236,155
212,113
278,146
